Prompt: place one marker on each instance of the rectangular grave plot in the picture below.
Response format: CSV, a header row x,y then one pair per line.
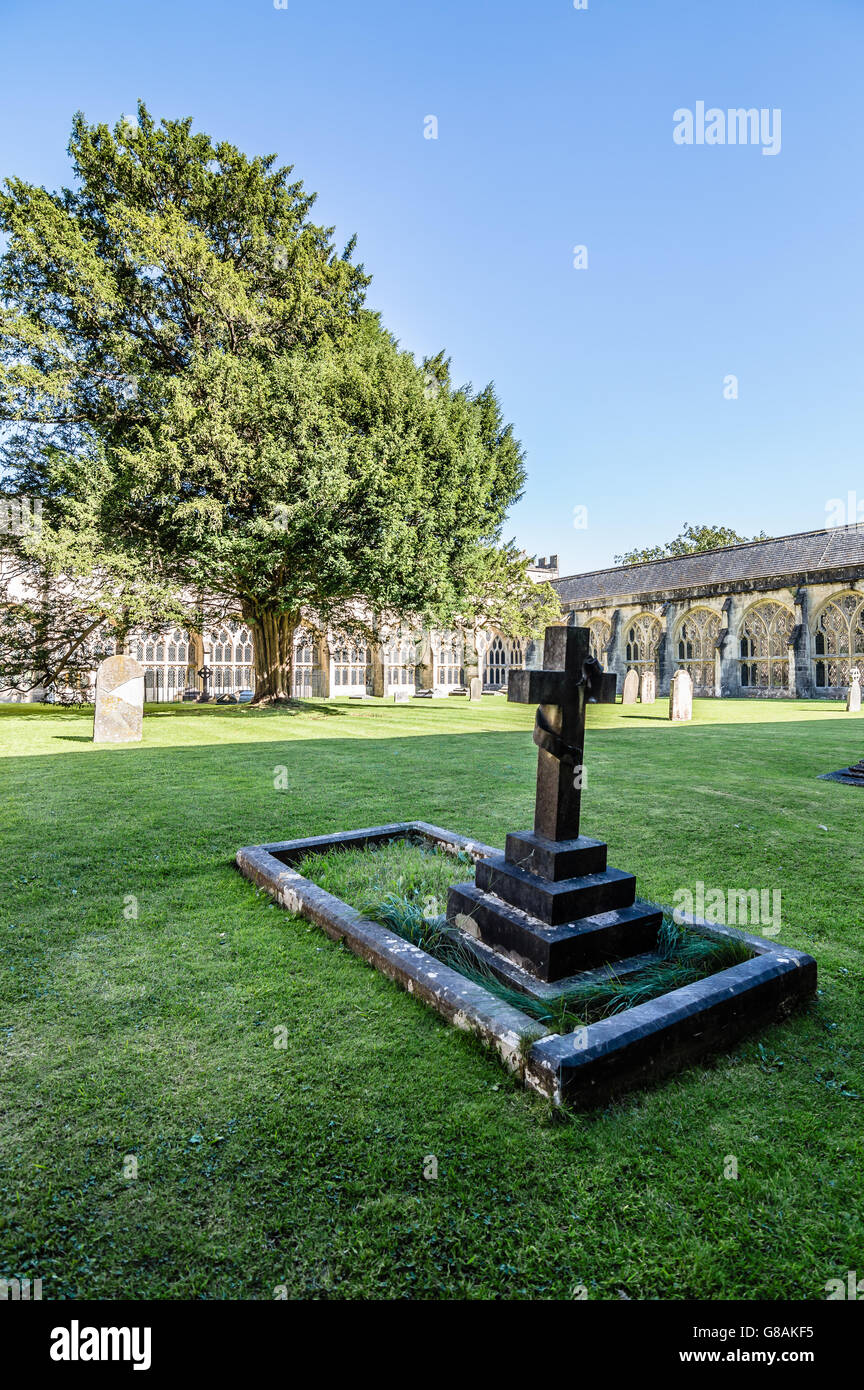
x,y
581,1069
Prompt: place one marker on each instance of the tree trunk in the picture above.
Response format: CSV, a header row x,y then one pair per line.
x,y
273,636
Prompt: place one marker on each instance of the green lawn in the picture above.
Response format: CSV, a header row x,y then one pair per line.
x,y
302,1167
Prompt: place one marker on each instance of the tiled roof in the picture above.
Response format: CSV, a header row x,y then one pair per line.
x,y
837,547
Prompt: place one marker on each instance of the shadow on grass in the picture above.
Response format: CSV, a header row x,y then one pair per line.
x,y
214,710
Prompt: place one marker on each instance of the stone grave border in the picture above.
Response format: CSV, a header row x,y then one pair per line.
x,y
585,1068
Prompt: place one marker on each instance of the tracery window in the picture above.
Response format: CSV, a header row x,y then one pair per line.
x,y
764,647
229,644
448,660
399,662
350,667
601,636
307,672
502,656
838,641
642,646
696,648
165,657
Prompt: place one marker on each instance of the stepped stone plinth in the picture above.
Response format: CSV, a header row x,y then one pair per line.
x,y
853,775
550,903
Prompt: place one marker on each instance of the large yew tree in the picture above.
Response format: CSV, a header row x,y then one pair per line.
x,y
192,385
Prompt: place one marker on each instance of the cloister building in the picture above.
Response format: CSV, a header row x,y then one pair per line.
x,y
769,618
772,618
325,664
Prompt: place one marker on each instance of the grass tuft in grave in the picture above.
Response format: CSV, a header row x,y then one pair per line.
x,y
404,883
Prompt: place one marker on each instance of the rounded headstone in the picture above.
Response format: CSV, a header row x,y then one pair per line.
x,y
119,701
681,697
630,693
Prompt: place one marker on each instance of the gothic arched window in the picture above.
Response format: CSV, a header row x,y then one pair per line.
x,y
642,646
601,636
698,633
764,647
399,661
448,660
350,663
838,641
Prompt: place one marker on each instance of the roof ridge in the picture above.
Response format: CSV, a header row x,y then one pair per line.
x,y
827,531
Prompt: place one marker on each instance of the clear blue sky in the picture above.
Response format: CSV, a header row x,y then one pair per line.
x,y
555,130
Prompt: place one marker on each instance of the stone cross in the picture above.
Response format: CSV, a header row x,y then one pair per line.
x,y
119,700
572,680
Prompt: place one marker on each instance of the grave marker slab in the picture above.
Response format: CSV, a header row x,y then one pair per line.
x,y
630,693
475,688
119,701
681,697
853,699
648,688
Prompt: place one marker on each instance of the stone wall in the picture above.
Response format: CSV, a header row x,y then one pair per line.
x,y
785,660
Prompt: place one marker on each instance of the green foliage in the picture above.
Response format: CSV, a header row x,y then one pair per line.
x,y
501,595
690,540
192,387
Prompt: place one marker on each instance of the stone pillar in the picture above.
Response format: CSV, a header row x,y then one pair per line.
x,y
483,641
730,677
376,661
803,685
325,661
425,677
470,655
667,657
196,658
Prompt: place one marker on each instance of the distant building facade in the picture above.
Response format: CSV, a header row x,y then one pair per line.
x,y
325,664
775,618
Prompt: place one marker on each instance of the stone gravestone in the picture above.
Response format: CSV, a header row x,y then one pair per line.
x,y
681,697
119,701
549,903
631,688
648,688
402,693
475,688
853,699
